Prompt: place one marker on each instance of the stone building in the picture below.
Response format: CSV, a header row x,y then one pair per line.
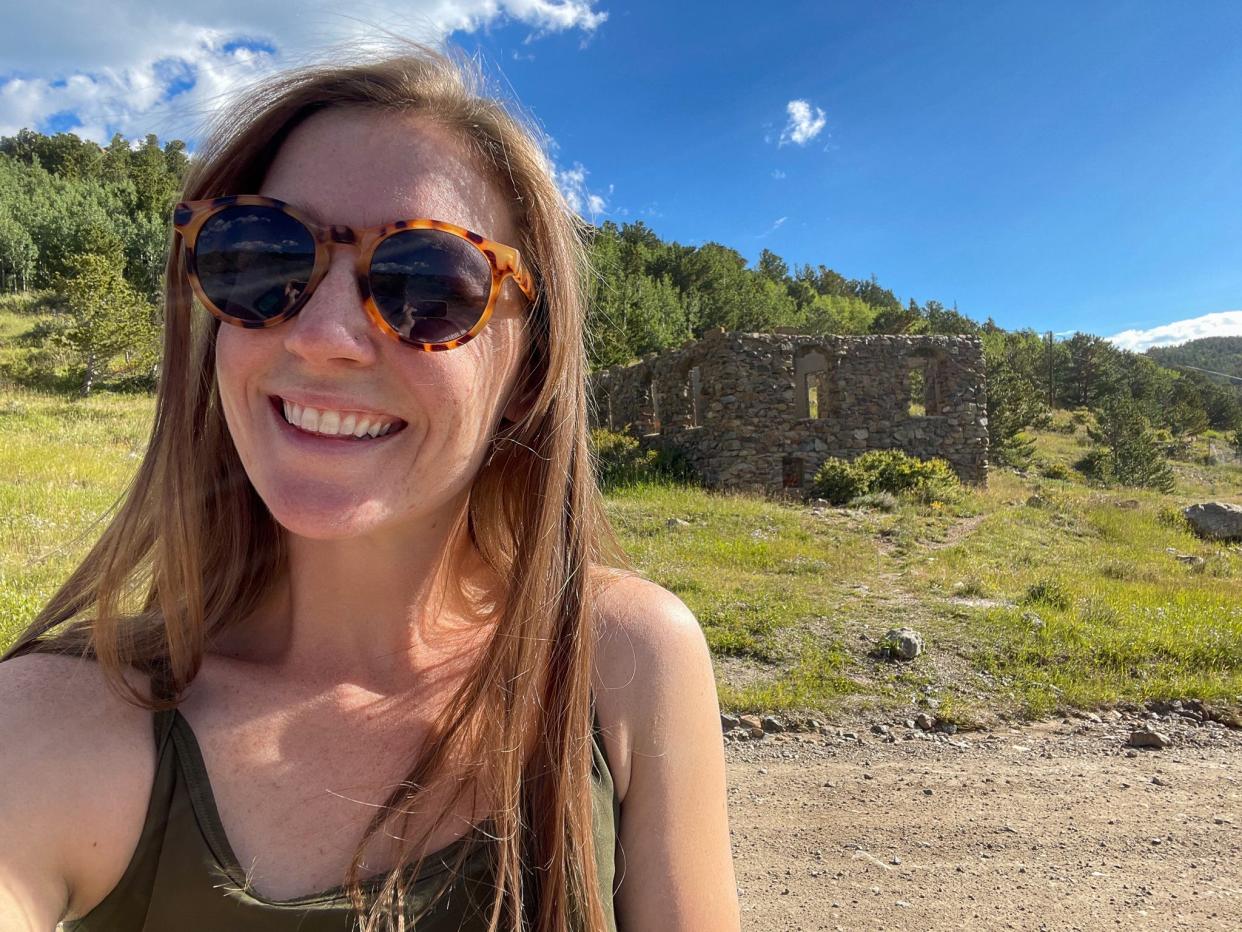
x,y
762,411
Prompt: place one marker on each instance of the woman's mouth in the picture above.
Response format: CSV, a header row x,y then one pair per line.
x,y
348,426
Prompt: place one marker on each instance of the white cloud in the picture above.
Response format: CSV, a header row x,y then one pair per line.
x,y
1218,324
776,225
136,66
583,201
805,123
778,174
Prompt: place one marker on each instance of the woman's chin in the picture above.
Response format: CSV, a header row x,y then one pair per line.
x,y
327,517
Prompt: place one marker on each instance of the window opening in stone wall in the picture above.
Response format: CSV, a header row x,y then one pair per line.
x,y
696,397
811,385
817,394
654,395
917,390
791,471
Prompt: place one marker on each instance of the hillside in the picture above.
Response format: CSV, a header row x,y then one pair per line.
x,y
1034,594
1220,354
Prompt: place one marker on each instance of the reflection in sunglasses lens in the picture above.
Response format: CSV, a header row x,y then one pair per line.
x,y
431,286
253,263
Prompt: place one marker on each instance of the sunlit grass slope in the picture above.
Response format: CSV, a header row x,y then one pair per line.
x,y
1032,594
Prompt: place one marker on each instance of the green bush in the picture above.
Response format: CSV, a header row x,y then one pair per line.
x,y
1050,592
621,460
1053,469
839,481
1062,422
892,471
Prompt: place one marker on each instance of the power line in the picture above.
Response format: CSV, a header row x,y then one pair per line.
x,y
1225,375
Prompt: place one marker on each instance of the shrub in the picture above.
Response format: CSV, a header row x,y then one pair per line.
x,y
1054,469
892,471
1050,592
839,481
621,460
1062,422
1174,519
1128,452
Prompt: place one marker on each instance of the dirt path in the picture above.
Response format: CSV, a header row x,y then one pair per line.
x,y
1051,826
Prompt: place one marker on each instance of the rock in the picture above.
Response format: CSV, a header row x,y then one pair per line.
x,y
879,730
1215,520
902,643
676,522
1148,737
925,721
1036,623
728,722
752,725
1230,718
947,728
772,725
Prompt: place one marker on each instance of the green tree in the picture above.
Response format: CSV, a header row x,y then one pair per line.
x,y
772,267
1014,403
104,316
1128,453
1091,372
18,254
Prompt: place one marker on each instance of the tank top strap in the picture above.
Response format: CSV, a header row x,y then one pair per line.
x,y
162,721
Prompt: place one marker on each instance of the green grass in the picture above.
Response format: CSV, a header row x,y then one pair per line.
x,y
792,601
64,463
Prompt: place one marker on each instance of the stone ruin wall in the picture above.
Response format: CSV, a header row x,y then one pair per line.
x,y
762,412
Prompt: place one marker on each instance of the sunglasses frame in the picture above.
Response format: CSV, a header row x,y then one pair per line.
x,y
189,217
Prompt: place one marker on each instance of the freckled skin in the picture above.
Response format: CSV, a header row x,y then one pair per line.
x,y
369,530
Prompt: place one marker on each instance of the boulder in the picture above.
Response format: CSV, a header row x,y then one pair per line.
x,y
1215,520
902,643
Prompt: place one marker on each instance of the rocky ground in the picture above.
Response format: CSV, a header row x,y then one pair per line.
x,y
1060,825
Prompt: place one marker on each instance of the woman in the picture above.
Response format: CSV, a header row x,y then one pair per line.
x,y
361,578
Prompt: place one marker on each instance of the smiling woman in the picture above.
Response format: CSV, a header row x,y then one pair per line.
x,y
362,591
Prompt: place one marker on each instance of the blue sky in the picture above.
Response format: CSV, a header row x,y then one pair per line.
x,y
1054,165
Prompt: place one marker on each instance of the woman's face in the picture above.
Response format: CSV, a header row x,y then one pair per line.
x,y
364,169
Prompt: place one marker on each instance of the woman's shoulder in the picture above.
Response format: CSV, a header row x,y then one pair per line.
x,y
651,661
86,758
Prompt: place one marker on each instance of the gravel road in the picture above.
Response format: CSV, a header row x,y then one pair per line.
x,y
1055,825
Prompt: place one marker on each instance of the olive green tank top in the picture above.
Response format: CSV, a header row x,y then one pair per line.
x,y
184,876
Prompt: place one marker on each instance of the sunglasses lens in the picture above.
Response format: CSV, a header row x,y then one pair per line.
x,y
431,286
253,263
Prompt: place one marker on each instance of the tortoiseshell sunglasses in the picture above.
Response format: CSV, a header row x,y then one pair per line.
x,y
254,262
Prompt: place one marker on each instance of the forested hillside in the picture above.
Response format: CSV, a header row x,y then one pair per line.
x,y
1220,354
84,229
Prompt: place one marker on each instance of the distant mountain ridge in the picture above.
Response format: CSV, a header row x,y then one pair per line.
x,y
1220,354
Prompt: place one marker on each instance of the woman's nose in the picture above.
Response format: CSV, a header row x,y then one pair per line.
x,y
333,323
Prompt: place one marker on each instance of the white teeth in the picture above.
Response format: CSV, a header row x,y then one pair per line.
x,y
335,424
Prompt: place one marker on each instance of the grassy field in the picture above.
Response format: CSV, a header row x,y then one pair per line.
x,y
1033,594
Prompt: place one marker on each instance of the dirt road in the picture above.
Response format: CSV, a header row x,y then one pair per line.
x,y
1048,826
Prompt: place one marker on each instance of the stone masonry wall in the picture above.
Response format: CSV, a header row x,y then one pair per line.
x,y
763,411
